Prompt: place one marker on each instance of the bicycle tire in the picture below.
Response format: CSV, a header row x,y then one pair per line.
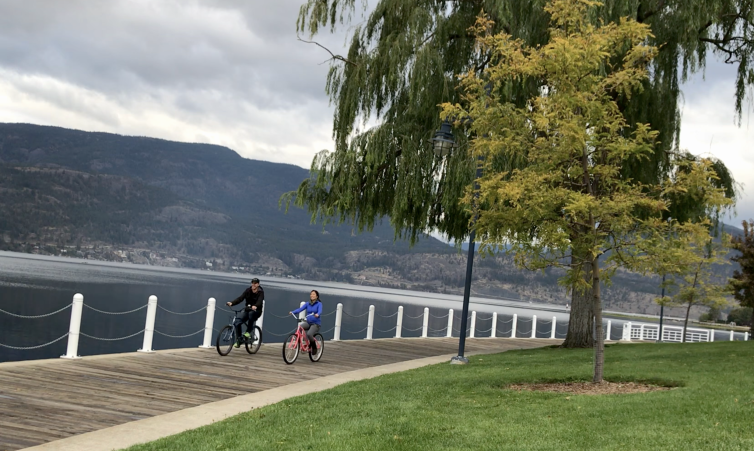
x,y
225,340
253,344
314,357
290,349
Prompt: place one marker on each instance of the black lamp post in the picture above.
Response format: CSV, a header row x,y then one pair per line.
x,y
443,142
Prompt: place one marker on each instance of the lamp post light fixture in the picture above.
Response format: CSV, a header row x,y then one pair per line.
x,y
443,143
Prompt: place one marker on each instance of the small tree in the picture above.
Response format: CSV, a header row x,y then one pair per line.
x,y
742,282
696,285
565,201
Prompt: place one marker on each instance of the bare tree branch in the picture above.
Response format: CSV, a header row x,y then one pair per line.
x,y
334,56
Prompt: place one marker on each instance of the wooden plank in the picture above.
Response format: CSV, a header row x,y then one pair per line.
x,y
51,399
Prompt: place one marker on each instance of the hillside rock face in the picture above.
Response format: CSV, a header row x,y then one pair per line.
x,y
145,200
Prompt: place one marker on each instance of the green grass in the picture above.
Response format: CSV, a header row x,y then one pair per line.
x,y
444,407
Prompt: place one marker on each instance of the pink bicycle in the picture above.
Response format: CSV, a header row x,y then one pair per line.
x,y
299,341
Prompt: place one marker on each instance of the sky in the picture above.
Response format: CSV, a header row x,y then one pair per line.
x,y
234,74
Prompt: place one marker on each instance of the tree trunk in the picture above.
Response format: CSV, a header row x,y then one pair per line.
x,y
685,323
599,342
581,322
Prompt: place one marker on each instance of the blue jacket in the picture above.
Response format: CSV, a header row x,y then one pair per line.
x,y
311,309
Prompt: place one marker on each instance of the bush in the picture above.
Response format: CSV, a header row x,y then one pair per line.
x,y
741,316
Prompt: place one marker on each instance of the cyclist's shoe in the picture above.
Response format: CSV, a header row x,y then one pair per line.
x,y
313,348
247,335
237,344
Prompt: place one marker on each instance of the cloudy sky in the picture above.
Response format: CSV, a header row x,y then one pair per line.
x,y
234,74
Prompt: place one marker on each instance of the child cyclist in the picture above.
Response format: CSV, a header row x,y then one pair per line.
x,y
313,321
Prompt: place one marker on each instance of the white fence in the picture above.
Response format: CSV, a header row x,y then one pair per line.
x,y
542,329
673,334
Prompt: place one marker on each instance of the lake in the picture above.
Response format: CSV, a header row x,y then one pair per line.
x,y
37,285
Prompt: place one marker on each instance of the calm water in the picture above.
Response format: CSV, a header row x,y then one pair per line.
x,y
37,285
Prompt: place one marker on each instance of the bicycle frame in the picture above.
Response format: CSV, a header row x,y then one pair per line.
x,y
232,324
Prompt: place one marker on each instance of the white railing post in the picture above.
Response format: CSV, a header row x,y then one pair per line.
x,y
149,325
399,322
712,335
641,332
473,324
609,329
514,322
370,323
338,321
425,323
493,332
731,335
74,328
450,323
534,326
746,336
626,332
260,321
209,321
554,324
302,314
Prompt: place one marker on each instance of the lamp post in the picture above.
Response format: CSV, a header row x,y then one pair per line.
x,y
443,142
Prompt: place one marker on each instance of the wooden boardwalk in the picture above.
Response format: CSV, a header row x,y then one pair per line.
x,y
47,400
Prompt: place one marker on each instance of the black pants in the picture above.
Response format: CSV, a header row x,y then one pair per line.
x,y
249,318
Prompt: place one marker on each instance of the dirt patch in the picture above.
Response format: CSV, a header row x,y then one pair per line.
x,y
590,388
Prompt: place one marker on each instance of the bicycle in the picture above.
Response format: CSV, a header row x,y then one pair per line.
x,y
299,341
226,338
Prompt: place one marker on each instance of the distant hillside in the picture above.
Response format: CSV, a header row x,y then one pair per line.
x,y
151,201
134,190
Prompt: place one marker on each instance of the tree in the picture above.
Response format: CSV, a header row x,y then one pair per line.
x,y
742,316
696,285
742,282
568,203
401,64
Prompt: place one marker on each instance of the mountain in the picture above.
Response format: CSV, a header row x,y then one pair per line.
x,y
151,201
196,199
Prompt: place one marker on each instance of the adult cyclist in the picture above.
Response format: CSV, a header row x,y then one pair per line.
x,y
313,320
254,297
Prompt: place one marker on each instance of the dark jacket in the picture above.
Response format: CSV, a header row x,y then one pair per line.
x,y
251,298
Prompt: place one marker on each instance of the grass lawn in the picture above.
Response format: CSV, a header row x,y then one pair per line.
x,y
444,407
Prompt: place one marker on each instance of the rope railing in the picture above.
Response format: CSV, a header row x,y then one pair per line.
x,y
386,331
414,317
179,313
485,330
179,336
266,332
356,332
116,313
112,339
440,317
355,316
36,316
413,330
29,348
386,316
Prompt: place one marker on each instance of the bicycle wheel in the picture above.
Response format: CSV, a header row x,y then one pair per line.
x,y
290,349
253,343
317,354
225,340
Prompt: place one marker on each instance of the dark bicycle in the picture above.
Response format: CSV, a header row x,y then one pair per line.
x,y
227,336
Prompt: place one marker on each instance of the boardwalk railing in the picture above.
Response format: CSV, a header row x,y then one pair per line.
x,y
533,327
